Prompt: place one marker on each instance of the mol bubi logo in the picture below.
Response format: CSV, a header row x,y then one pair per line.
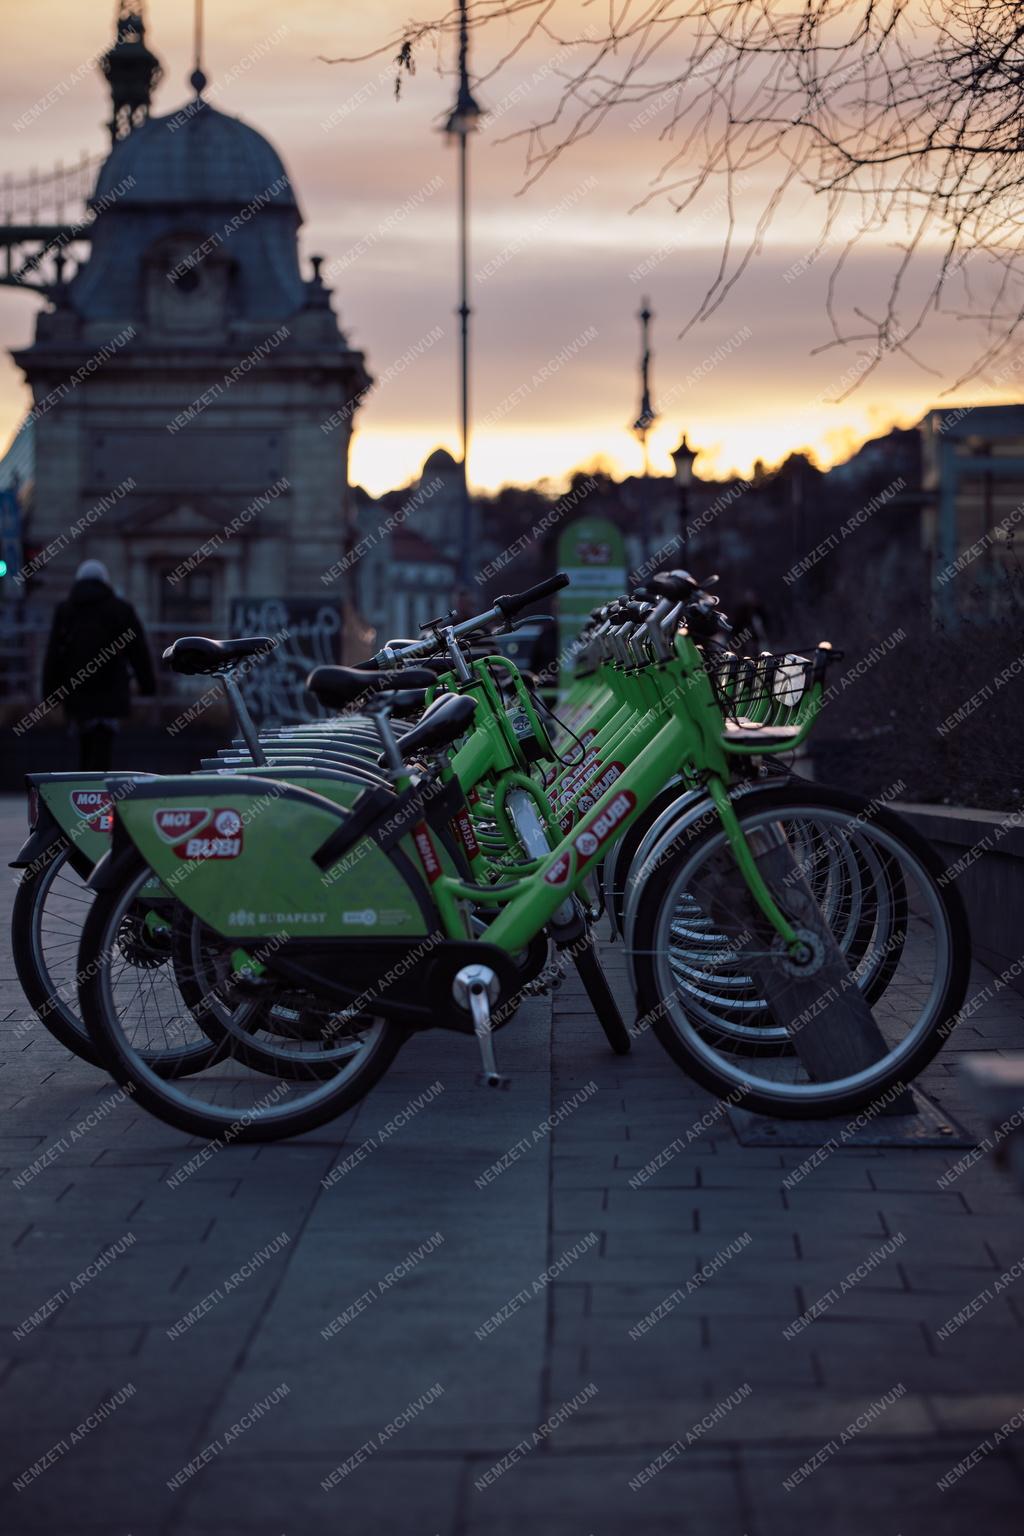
x,y
96,807
594,791
194,836
175,822
597,832
590,839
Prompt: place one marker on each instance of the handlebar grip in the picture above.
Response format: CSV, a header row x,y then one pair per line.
x,y
512,603
704,620
371,664
824,655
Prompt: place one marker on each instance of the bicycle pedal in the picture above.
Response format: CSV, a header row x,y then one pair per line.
x,y
248,984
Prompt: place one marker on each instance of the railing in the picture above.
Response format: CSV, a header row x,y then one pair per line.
x,y
51,198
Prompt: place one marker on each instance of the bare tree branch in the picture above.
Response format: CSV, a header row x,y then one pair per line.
x,y
906,121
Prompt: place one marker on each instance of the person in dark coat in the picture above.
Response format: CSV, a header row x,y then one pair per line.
x,y
96,644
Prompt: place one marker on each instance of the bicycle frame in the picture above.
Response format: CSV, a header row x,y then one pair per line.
x,y
686,737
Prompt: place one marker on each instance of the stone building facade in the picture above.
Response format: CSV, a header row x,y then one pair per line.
x,y
193,390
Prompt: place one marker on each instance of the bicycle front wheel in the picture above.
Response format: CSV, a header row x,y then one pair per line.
x,y
910,960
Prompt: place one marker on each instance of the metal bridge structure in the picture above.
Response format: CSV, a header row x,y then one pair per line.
x,y
44,222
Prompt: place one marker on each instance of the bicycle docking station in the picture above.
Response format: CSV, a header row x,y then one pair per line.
x,y
812,992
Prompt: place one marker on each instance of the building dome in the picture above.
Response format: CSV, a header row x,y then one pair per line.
x,y
440,462
195,191
194,158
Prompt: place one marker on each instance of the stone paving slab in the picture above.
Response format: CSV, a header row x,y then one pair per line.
x,y
551,1415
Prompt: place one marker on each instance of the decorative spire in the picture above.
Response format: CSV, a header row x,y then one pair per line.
x,y
131,71
197,79
648,415
465,115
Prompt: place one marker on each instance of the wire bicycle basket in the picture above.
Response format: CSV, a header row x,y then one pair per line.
x,y
764,693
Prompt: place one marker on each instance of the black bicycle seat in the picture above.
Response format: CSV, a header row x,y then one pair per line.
x,y
337,686
199,656
445,723
407,703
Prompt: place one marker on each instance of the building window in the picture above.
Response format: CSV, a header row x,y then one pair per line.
x,y
186,600
186,287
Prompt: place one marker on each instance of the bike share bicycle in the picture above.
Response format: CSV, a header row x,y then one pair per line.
x,y
71,813
375,927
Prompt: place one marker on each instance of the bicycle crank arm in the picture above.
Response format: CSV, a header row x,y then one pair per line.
x,y
476,987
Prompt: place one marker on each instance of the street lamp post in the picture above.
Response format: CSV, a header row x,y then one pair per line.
x,y
683,458
463,121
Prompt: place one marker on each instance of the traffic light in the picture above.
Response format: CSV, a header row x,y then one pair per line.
x,y
10,544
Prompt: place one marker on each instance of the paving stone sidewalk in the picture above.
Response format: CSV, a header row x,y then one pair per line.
x,y
489,1324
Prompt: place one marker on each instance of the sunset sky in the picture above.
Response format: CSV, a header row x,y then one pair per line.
x,y
558,269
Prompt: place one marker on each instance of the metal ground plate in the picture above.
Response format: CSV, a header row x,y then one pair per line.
x,y
930,1126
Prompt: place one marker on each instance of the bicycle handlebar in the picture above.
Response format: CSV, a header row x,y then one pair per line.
x,y
511,603
505,607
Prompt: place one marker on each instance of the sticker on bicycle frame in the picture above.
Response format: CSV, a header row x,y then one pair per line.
x,y
427,852
369,917
559,871
206,847
601,828
94,806
571,787
594,791
176,822
467,837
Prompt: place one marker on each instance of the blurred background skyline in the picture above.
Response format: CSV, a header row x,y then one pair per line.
x,y
559,267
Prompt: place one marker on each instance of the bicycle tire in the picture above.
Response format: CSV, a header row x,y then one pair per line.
x,y
160,1094
815,1100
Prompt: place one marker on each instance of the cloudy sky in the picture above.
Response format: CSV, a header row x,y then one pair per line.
x,y
559,269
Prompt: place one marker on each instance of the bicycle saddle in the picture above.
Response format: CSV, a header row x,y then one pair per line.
x,y
337,686
407,702
199,656
444,724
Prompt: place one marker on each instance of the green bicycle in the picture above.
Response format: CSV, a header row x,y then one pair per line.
x,y
366,912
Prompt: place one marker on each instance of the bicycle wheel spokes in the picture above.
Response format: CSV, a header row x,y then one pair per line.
x,y
181,1028
880,906
60,908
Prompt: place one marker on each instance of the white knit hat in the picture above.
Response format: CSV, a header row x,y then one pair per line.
x,y
93,570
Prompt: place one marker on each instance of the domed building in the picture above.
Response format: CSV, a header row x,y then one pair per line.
x,y
407,549
194,391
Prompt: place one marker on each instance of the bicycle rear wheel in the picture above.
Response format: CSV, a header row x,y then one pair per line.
x,y
242,1093
46,929
50,910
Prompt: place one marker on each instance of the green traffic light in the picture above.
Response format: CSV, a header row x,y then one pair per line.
x,y
3,567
